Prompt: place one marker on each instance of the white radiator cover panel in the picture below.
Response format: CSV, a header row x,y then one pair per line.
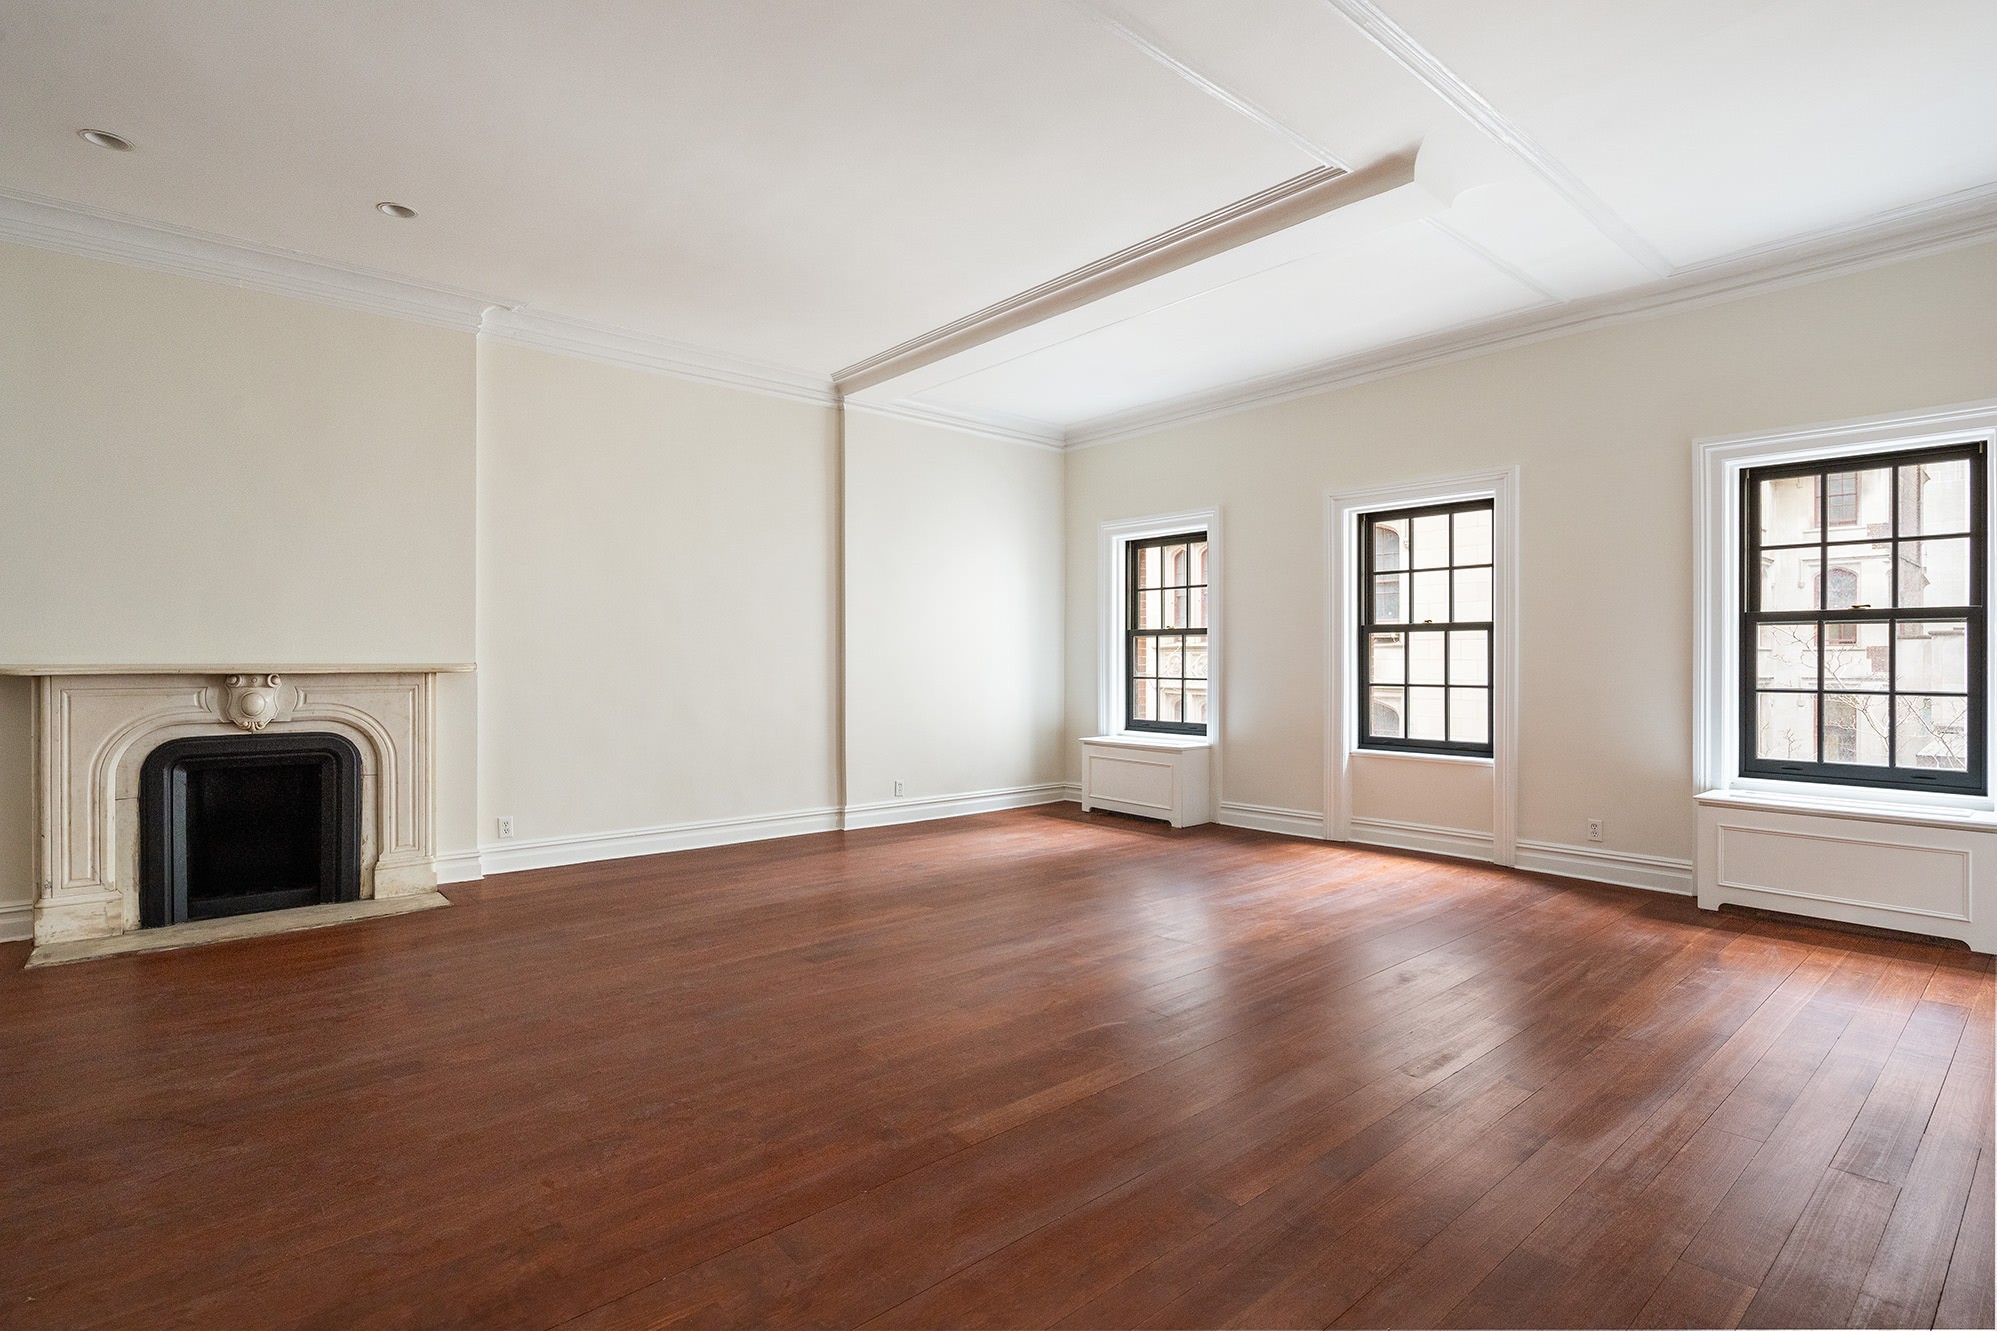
x,y
1155,778
1918,874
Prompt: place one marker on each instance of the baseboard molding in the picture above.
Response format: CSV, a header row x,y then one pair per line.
x,y
1653,873
464,866
1430,840
555,851
1265,818
1072,792
890,812
17,922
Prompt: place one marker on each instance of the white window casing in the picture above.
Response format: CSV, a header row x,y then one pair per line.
x,y
1922,862
1343,511
1112,571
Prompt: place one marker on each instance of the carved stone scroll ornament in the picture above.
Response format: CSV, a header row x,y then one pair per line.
x,y
252,700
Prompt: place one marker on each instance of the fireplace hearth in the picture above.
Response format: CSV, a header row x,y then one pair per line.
x,y
235,824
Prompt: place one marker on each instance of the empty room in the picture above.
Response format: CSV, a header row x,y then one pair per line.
x,y
1002,663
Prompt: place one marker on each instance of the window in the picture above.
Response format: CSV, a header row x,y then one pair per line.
x,y
1165,634
1862,626
1425,628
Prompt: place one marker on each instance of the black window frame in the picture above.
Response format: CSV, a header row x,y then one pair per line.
x,y
1369,625
1974,779
1131,631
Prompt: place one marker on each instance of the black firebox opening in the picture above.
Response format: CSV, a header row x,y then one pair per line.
x,y
233,824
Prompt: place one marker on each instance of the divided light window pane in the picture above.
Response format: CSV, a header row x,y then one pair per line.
x,y
1862,644
1165,636
1425,641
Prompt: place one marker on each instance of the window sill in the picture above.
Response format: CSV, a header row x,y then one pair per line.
x,y
1407,755
1138,739
1905,814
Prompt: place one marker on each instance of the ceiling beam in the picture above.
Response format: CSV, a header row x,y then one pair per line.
x,y
1299,199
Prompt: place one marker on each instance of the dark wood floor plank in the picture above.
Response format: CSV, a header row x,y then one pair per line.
x,y
1692,1296
1751,1224
1598,1263
1888,1130
1967,1293
1816,1277
1422,1290
1903,1286
1022,1069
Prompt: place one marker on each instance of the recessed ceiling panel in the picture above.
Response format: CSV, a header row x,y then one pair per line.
x,y
1526,227
1384,288
1299,61
1713,126
802,182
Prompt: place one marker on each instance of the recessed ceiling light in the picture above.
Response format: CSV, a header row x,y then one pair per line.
x,y
395,209
104,138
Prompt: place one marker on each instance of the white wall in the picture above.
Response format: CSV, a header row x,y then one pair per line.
x,y
657,598
953,613
1601,424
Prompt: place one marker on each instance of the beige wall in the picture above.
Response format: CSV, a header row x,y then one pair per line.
x,y
649,571
657,591
198,474
953,612
1601,425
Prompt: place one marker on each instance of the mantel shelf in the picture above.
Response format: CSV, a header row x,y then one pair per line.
x,y
247,666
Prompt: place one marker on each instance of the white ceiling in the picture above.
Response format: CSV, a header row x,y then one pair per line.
x,y
807,185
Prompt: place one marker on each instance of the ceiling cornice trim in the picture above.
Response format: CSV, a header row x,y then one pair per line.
x,y
991,425
1419,61
1285,204
91,233
1966,218
524,327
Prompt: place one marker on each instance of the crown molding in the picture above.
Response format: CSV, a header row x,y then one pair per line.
x,y
1412,56
991,425
1956,220
91,233
1312,194
69,228
524,327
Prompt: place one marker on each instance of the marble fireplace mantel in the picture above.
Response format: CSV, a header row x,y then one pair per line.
x,y
95,724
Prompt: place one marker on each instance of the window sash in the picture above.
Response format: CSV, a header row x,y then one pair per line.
x,y
1840,629
1370,627
1133,635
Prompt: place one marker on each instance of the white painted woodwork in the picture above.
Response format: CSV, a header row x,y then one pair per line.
x,y
1152,776
1919,874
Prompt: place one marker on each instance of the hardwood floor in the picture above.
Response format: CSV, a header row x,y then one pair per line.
x,y
1026,1069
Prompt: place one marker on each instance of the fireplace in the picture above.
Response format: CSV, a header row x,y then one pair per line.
x,y
235,824
95,729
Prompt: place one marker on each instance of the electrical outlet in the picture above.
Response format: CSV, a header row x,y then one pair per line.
x,y
1594,829
897,790
505,827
